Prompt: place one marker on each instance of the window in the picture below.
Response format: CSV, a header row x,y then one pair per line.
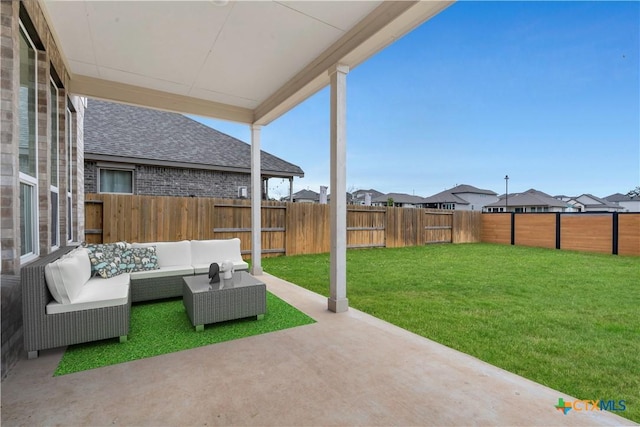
x,y
28,155
115,181
55,166
69,175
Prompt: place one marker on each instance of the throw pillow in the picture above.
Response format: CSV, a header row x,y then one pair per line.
x,y
103,257
144,259
109,270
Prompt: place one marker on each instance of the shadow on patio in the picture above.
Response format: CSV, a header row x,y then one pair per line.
x,y
346,369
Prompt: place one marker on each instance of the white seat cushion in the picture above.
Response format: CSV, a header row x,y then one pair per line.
x,y
67,276
208,251
204,268
177,270
96,293
170,253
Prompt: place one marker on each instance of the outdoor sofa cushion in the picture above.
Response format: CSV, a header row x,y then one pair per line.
x,y
170,254
66,276
205,252
96,293
178,270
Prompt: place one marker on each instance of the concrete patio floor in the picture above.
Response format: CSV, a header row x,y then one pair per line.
x,y
346,369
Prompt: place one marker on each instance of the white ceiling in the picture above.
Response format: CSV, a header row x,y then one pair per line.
x,y
247,61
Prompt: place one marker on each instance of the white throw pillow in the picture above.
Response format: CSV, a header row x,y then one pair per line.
x,y
66,276
208,251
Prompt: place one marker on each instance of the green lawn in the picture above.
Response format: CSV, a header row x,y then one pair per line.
x,y
565,319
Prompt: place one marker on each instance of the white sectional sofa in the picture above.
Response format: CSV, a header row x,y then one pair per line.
x,y
85,294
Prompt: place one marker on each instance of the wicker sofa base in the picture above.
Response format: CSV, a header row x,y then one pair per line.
x,y
43,331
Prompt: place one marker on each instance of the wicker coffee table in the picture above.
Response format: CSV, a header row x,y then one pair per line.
x,y
237,298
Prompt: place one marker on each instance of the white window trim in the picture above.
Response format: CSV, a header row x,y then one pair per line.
x,y
28,179
69,172
126,168
55,188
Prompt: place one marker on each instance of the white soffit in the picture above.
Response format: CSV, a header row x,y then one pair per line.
x,y
246,61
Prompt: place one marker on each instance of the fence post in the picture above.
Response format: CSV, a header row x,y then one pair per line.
x,y
558,221
513,228
614,249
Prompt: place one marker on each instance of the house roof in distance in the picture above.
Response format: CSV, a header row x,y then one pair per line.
x,y
399,198
304,195
618,197
531,197
450,195
128,134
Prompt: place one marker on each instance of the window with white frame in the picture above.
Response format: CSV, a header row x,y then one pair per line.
x,y
28,154
55,165
115,180
68,120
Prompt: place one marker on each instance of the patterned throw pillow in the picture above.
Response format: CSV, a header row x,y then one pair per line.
x,y
109,270
144,259
107,259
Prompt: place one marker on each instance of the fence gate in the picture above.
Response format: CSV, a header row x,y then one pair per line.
x,y
438,227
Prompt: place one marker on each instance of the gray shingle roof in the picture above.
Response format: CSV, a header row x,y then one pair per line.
x,y
618,197
449,196
126,133
599,202
530,197
399,198
306,195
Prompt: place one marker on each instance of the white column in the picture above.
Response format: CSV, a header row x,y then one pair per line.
x,y
291,189
256,202
338,301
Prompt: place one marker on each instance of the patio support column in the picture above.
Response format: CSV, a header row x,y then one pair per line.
x,y
256,202
291,189
338,301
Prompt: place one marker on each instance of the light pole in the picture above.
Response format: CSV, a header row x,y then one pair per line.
x,y
506,193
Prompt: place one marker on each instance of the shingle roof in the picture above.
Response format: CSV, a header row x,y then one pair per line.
x,y
464,188
617,197
600,202
306,195
449,196
399,198
530,197
126,133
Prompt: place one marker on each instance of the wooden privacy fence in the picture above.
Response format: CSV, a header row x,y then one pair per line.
x,y
613,233
287,228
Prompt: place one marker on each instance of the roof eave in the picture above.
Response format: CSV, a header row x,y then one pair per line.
x,y
182,165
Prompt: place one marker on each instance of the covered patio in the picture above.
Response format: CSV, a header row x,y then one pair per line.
x,y
251,62
346,369
243,61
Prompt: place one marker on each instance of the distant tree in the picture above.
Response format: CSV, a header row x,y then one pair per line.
x,y
390,201
635,192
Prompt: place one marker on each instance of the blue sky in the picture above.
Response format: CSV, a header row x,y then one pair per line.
x,y
546,92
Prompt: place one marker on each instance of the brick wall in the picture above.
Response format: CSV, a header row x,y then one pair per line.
x,y
9,187
164,181
47,56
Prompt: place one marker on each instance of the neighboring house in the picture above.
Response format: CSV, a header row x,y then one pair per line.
x,y
462,197
400,200
304,196
529,201
591,203
628,203
359,197
135,150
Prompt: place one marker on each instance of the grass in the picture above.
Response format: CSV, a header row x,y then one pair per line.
x,y
567,320
162,327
